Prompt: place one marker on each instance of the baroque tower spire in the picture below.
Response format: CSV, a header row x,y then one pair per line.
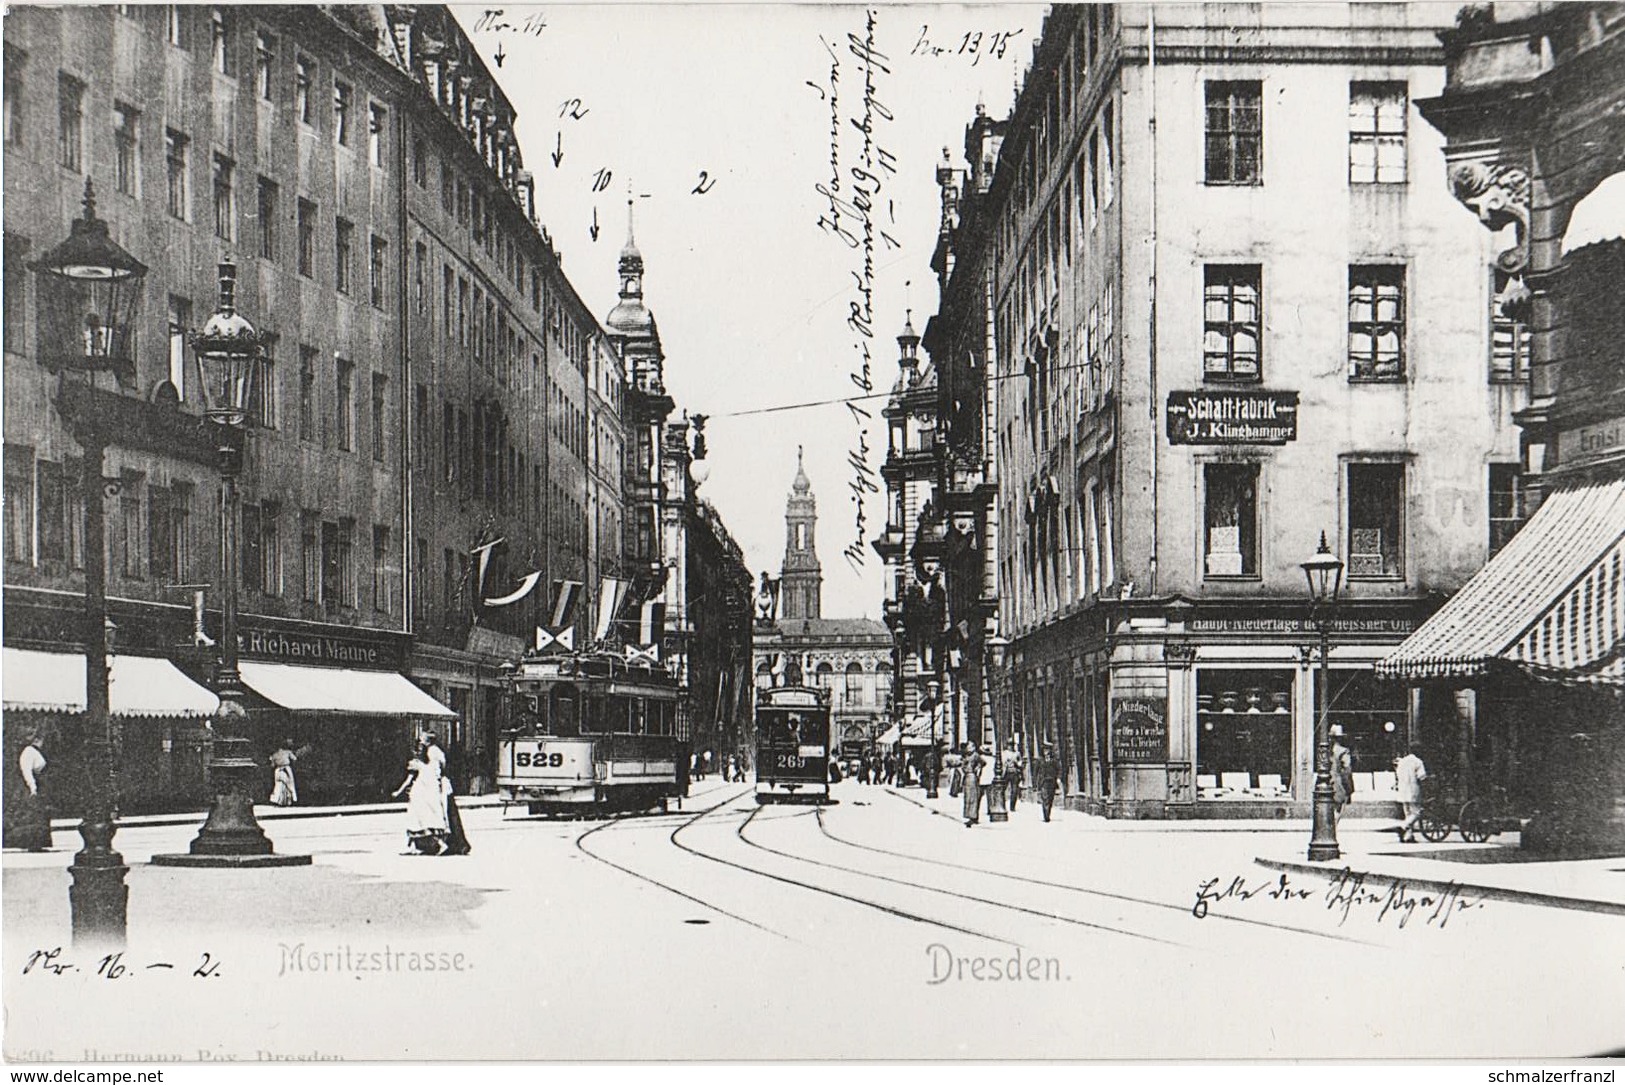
x,y
802,577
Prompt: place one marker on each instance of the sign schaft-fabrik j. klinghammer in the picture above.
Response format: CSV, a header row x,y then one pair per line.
x,y
1232,416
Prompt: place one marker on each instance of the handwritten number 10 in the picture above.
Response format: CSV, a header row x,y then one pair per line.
x,y
600,180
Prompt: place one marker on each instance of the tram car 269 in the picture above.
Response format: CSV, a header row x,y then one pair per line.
x,y
587,733
792,744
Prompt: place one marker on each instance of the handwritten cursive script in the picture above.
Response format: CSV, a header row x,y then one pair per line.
x,y
1349,894
851,196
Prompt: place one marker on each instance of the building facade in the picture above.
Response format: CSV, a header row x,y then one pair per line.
x,y
1220,306
1529,658
424,428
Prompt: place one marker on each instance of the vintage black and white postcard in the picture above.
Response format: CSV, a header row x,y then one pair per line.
x,y
804,531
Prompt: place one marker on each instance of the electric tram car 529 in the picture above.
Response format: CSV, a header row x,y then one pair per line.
x,y
792,744
588,733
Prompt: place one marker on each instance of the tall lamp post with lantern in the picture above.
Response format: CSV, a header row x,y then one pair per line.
x,y
1324,573
228,350
89,307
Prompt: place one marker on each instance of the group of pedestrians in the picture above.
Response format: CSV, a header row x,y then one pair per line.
x,y
976,775
877,769
433,825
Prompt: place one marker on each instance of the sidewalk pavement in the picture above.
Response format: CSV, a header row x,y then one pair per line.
x,y
273,813
1497,869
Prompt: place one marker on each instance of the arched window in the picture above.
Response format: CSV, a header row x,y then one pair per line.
x,y
764,675
826,675
883,685
854,684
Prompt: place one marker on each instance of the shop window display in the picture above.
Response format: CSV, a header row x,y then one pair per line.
x,y
1243,733
1373,717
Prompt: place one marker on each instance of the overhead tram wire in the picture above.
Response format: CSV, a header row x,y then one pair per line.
x,y
843,400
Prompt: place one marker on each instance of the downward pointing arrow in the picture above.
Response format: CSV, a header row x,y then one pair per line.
x,y
593,229
558,151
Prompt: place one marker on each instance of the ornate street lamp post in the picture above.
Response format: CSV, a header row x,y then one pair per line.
x,y
997,801
228,349
1325,576
89,304
933,692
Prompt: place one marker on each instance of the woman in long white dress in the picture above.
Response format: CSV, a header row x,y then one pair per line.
x,y
426,826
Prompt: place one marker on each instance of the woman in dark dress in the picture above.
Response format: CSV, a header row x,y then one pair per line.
x,y
28,820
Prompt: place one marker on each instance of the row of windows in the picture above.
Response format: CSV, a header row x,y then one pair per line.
x,y
1233,325
1374,518
855,688
153,535
1234,132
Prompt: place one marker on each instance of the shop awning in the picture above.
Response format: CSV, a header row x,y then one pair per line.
x,y
1598,217
890,737
918,732
339,691
1551,603
136,685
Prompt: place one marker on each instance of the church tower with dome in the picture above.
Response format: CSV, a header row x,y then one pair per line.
x,y
802,578
645,409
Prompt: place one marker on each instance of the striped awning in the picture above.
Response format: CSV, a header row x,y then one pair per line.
x,y
136,685
332,690
1551,603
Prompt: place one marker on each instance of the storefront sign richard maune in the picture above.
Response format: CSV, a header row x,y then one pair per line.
x,y
319,650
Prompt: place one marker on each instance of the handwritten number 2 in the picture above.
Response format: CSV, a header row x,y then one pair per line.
x,y
707,183
208,968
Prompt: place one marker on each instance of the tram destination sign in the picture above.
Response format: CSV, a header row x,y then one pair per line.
x,y
1140,731
1232,416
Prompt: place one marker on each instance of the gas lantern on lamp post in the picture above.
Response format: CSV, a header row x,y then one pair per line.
x,y
89,305
1324,573
228,350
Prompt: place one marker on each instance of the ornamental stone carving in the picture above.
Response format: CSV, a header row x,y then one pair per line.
x,y
1498,193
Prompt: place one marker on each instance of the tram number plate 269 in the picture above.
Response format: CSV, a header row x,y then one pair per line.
x,y
790,761
538,760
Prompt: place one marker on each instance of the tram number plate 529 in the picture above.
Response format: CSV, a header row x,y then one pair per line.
x,y
790,761
538,760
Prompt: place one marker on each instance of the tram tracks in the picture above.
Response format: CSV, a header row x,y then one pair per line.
x,y
1064,887
581,845
987,901
866,902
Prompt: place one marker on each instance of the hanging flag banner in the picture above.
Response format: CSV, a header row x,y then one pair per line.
x,y
564,600
484,552
609,601
649,655
651,622
518,594
564,638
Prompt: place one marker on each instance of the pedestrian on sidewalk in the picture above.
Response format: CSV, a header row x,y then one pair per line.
x,y
1410,772
890,765
284,789
28,819
1342,775
1010,773
1046,779
427,829
972,770
456,840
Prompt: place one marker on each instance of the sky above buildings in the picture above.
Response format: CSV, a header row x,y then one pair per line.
x,y
720,124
